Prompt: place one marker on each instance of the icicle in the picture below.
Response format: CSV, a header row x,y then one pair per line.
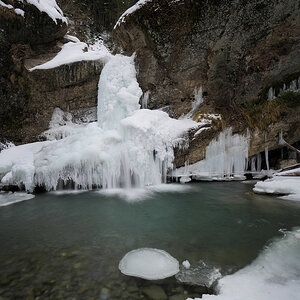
x,y
271,94
267,158
145,99
258,162
225,156
253,162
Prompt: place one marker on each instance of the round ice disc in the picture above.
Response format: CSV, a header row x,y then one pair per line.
x,y
149,263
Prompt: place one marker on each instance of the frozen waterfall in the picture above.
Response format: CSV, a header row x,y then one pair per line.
x,y
226,158
129,147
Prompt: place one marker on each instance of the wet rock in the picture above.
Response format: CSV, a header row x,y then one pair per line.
x,y
154,292
235,50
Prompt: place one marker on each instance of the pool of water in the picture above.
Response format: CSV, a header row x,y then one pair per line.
x,y
68,246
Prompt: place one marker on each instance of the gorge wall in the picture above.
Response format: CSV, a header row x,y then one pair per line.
x,y
27,98
235,50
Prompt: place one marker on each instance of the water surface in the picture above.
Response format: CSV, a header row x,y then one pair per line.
x,y
68,246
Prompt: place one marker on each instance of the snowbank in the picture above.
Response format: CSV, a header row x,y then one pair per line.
x,y
273,275
74,51
282,184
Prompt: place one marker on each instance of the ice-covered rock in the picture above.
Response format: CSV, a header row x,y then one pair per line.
x,y
148,263
11,198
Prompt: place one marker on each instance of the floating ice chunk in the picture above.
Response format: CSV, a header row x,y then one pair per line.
x,y
11,198
149,263
186,264
185,179
203,274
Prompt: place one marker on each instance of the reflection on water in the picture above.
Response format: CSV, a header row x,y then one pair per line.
x,y
60,246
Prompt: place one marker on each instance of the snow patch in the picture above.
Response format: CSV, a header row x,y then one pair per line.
x,y
148,263
51,8
285,185
130,10
74,51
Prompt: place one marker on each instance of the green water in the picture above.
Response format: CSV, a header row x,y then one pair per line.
x,y
69,246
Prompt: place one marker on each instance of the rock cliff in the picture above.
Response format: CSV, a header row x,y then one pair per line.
x,y
235,50
27,98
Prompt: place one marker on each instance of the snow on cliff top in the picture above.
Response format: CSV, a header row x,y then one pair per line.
x,y
75,51
130,10
51,8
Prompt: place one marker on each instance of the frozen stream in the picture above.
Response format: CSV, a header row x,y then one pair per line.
x,y
68,246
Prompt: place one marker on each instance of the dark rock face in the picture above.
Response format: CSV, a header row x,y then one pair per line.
x,y
35,28
235,50
28,99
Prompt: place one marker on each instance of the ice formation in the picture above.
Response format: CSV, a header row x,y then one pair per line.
x,y
202,273
11,198
293,86
273,275
226,157
281,183
128,147
186,264
148,263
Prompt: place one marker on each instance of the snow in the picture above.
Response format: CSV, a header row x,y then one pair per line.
x,y
127,148
148,263
20,12
50,7
285,185
74,51
6,5
12,198
273,275
130,10
226,157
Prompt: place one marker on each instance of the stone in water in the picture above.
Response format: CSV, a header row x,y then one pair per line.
x,y
149,263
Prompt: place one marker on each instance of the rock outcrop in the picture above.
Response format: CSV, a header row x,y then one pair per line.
x,y
27,98
235,50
